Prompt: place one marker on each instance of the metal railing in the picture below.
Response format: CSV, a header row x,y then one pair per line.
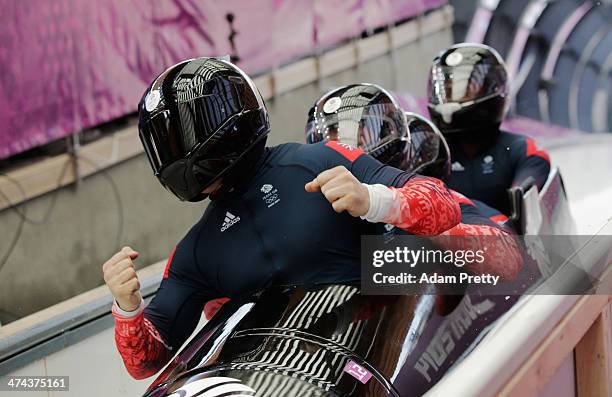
x,y
65,323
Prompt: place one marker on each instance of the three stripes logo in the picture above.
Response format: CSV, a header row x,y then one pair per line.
x,y
229,221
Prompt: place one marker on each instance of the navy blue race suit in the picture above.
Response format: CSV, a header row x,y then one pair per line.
x,y
267,230
474,212
507,162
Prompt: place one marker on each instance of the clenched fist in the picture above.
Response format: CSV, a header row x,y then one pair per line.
x,y
342,190
120,277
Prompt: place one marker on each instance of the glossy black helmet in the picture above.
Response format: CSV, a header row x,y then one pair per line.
x,y
364,116
429,152
468,88
197,120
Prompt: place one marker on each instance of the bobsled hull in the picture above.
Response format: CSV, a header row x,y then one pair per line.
x,y
327,341
330,340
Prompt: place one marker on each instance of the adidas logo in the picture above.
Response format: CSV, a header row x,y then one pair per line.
x,y
456,166
229,221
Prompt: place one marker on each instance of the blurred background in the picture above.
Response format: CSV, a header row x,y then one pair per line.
x,y
75,185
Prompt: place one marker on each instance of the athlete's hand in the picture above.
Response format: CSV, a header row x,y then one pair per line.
x,y
342,190
120,277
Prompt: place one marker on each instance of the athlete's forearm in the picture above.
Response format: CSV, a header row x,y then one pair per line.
x,y
502,256
141,347
423,206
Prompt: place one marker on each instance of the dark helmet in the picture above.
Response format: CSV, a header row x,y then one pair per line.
x,y
429,152
364,116
468,88
197,120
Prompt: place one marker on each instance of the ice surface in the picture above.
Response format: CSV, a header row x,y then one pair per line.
x,y
586,167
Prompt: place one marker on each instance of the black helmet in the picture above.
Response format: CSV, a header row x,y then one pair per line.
x,y
429,153
468,88
364,116
197,120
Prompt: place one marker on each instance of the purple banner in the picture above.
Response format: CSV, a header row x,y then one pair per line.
x,y
327,14
66,65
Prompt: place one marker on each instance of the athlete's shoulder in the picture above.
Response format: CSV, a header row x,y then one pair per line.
x,y
317,157
524,146
284,149
510,138
342,151
515,140
328,150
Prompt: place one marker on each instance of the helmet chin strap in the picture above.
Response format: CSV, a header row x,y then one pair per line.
x,y
447,110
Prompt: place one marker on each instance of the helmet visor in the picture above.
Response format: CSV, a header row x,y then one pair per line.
x,y
424,146
429,153
162,140
203,109
188,176
370,127
466,82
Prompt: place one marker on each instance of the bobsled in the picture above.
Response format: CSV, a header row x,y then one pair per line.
x,y
326,340
331,340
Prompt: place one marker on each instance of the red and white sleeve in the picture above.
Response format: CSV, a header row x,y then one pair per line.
x,y
140,345
423,206
502,255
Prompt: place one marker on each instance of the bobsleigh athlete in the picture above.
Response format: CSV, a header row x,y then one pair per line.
x,y
468,98
422,150
430,156
287,215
